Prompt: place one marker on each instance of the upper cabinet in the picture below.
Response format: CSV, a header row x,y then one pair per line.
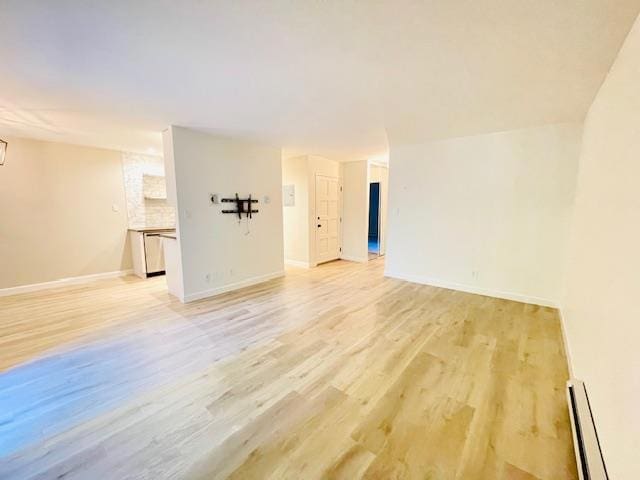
x,y
154,187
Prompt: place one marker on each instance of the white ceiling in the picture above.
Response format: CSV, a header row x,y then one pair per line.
x,y
335,78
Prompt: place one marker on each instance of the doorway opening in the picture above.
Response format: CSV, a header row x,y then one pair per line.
x,y
374,219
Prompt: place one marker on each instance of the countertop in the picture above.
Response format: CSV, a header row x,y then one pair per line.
x,y
153,229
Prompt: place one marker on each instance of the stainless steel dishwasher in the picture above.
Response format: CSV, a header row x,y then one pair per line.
x,y
153,253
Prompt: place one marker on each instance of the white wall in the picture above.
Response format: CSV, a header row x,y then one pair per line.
x,y
601,310
487,214
217,253
62,213
355,211
296,217
172,250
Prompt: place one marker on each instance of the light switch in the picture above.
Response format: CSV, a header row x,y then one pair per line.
x,y
213,197
267,199
115,207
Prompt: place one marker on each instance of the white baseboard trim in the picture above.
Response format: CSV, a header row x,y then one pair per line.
x,y
354,259
232,286
518,297
34,287
297,263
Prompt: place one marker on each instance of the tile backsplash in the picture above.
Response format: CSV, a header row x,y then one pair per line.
x,y
144,178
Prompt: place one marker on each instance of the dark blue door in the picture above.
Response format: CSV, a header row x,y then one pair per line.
x,y
374,217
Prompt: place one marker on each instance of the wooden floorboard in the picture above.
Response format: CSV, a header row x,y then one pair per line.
x,y
333,372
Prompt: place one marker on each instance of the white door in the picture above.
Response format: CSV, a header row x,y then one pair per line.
x,y
327,219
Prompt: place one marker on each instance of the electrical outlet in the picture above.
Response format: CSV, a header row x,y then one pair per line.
x,y
207,277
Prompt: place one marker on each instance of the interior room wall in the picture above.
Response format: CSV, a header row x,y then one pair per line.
x,y
217,252
296,217
63,213
487,214
355,210
172,250
380,174
601,311
141,211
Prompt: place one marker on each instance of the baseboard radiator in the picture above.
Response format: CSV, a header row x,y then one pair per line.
x,y
585,438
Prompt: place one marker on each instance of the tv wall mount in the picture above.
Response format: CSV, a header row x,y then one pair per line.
x,y
243,205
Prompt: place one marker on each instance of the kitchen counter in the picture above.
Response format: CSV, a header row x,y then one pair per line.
x,y
153,229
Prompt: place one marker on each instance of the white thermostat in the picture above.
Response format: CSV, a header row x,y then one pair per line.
x,y
289,195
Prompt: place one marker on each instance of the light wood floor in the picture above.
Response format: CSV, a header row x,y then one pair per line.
x,y
334,372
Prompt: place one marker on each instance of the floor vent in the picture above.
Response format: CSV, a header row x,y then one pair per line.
x,y
585,438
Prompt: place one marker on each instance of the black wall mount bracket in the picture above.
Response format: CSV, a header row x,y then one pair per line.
x,y
243,205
